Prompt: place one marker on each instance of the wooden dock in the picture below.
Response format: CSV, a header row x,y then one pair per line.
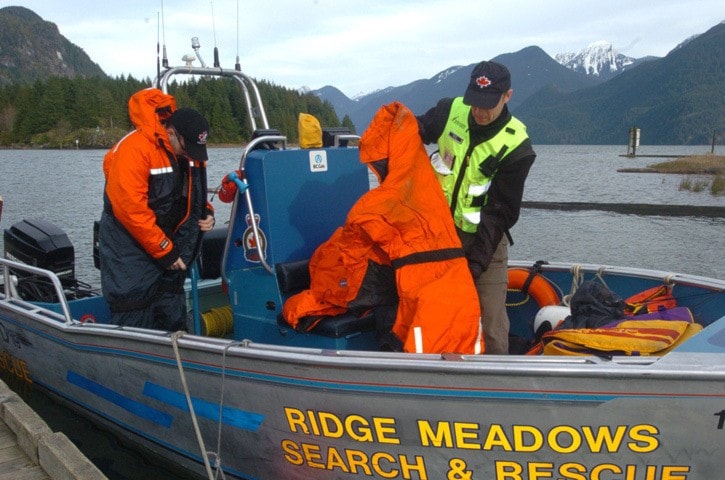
x,y
30,450
639,155
643,209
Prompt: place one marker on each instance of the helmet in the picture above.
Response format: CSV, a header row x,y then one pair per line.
x,y
549,317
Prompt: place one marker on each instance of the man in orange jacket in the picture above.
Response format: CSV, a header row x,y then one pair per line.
x,y
155,210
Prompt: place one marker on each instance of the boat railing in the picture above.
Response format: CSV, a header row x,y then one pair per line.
x,y
340,138
256,142
255,107
244,190
11,295
253,101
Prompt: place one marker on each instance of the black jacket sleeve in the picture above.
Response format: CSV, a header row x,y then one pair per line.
x,y
502,209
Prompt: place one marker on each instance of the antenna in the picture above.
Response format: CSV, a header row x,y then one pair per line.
x,y
158,61
238,66
213,27
165,59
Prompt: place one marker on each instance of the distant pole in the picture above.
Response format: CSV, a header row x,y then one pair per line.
x,y
633,141
714,136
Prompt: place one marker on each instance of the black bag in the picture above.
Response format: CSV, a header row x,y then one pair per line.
x,y
592,306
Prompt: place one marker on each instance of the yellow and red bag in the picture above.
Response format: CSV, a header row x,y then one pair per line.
x,y
651,300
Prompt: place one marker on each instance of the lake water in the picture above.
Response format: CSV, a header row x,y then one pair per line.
x,y
65,188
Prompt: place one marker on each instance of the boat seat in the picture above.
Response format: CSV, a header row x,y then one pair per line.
x,y
210,254
260,132
294,277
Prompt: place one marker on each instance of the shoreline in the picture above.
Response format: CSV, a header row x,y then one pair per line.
x,y
708,164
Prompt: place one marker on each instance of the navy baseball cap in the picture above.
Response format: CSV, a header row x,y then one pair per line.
x,y
489,80
194,128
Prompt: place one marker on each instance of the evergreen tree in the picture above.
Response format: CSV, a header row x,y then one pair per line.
x,y
347,122
94,111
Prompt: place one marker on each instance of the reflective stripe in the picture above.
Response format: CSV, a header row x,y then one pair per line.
x,y
160,171
478,190
472,216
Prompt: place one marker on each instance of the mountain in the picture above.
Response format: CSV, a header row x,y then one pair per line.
x,y
531,69
675,100
340,102
598,59
33,49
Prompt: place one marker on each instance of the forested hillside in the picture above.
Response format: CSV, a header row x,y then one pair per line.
x,y
33,49
92,112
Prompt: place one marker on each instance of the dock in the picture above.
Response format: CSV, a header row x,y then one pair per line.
x,y
30,450
642,209
639,155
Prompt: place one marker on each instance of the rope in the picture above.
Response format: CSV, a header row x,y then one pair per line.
x,y
221,401
600,275
218,321
174,342
523,302
576,279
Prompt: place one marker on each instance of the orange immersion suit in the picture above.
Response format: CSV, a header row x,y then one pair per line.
x,y
405,222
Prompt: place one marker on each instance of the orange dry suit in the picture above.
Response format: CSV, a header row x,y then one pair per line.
x,y
152,203
404,222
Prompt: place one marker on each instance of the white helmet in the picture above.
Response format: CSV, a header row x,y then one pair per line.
x,y
549,317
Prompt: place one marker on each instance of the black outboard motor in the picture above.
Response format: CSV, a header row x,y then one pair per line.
x,y
41,244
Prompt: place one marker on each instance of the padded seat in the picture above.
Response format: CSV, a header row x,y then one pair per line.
x,y
294,277
210,254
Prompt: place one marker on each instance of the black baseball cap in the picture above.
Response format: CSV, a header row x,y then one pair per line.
x,y
191,125
489,80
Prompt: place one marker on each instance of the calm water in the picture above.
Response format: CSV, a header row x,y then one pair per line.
x,y
65,188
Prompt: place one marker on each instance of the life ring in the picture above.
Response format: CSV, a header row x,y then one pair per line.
x,y
538,287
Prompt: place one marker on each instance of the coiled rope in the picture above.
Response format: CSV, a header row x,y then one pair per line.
x,y
218,322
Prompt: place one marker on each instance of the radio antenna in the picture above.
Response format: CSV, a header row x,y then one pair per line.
x,y
164,58
158,61
213,27
238,66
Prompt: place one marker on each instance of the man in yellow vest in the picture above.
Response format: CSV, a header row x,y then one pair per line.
x,y
483,158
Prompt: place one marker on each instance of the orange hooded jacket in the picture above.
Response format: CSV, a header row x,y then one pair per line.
x,y
404,222
131,164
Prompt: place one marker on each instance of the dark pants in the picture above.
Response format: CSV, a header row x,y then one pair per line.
x,y
167,312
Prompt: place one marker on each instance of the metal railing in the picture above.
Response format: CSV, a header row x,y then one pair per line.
x,y
245,83
10,293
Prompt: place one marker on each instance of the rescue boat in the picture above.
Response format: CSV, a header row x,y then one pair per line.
x,y
242,394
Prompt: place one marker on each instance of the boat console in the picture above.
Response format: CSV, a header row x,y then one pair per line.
x,y
298,197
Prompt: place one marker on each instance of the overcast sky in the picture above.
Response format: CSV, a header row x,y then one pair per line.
x,y
363,45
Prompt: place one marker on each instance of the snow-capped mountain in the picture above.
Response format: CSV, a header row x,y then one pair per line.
x,y
441,77
599,59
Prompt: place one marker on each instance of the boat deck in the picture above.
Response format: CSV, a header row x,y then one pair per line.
x,y
30,450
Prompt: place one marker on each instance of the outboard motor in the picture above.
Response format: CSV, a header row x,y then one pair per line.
x,y
41,244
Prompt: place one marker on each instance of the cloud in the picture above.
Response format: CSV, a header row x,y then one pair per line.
x,y
363,45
